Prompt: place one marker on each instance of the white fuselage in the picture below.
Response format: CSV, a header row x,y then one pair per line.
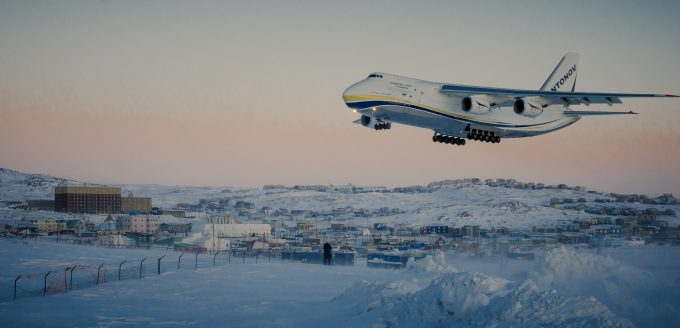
x,y
392,98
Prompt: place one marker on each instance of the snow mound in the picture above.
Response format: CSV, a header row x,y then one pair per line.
x,y
452,298
430,264
627,290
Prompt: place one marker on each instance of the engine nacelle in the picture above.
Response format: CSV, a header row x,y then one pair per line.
x,y
527,108
476,104
368,121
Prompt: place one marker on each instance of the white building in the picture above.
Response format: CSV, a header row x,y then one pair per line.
x,y
219,237
138,223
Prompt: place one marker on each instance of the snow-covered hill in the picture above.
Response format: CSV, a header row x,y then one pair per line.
x,y
457,204
18,186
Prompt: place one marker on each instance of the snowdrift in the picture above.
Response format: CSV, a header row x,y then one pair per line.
x,y
437,294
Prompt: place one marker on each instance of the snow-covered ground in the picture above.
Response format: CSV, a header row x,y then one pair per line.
x,y
564,287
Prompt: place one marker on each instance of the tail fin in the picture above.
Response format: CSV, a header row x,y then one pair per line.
x,y
563,77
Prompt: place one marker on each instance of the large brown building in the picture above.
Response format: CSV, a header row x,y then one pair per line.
x,y
132,204
87,199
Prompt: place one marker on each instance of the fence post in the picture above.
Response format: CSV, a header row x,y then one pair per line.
x,y
179,260
257,256
244,257
120,267
98,270
65,285
15,287
196,262
70,287
45,285
141,263
229,257
215,258
159,264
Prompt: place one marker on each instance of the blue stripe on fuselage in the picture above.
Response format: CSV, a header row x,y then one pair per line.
x,y
374,103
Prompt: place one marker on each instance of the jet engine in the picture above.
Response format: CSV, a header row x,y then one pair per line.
x,y
368,121
372,123
476,104
527,108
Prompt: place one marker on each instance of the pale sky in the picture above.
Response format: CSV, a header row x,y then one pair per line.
x,y
246,94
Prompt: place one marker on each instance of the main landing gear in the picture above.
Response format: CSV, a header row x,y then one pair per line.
x,y
486,136
447,139
383,126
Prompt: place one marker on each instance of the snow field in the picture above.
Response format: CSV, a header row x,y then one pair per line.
x,y
564,287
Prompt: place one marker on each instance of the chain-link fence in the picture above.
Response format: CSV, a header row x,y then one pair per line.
x,y
82,275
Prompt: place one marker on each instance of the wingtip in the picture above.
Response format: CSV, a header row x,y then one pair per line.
x,y
672,96
632,112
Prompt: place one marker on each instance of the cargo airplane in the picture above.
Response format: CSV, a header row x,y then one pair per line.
x,y
459,112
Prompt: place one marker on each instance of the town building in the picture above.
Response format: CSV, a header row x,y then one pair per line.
x,y
49,225
175,227
143,224
470,231
175,212
430,230
41,204
133,204
87,199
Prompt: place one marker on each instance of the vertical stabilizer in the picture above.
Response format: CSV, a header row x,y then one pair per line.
x,y
563,77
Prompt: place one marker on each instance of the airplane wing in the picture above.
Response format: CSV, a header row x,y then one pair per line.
x,y
505,97
591,113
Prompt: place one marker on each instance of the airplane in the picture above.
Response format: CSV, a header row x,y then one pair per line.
x,y
457,113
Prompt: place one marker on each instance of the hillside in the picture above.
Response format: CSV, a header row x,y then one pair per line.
x,y
456,203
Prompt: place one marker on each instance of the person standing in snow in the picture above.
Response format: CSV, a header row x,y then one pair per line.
x,y
327,253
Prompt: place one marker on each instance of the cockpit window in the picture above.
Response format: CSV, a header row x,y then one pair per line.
x,y
376,75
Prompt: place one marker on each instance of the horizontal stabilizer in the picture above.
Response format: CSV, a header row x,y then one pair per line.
x,y
591,113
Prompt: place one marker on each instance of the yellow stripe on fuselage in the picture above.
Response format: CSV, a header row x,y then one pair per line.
x,y
357,98
360,98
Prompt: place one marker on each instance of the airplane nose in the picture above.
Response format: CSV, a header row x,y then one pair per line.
x,y
350,91
347,92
